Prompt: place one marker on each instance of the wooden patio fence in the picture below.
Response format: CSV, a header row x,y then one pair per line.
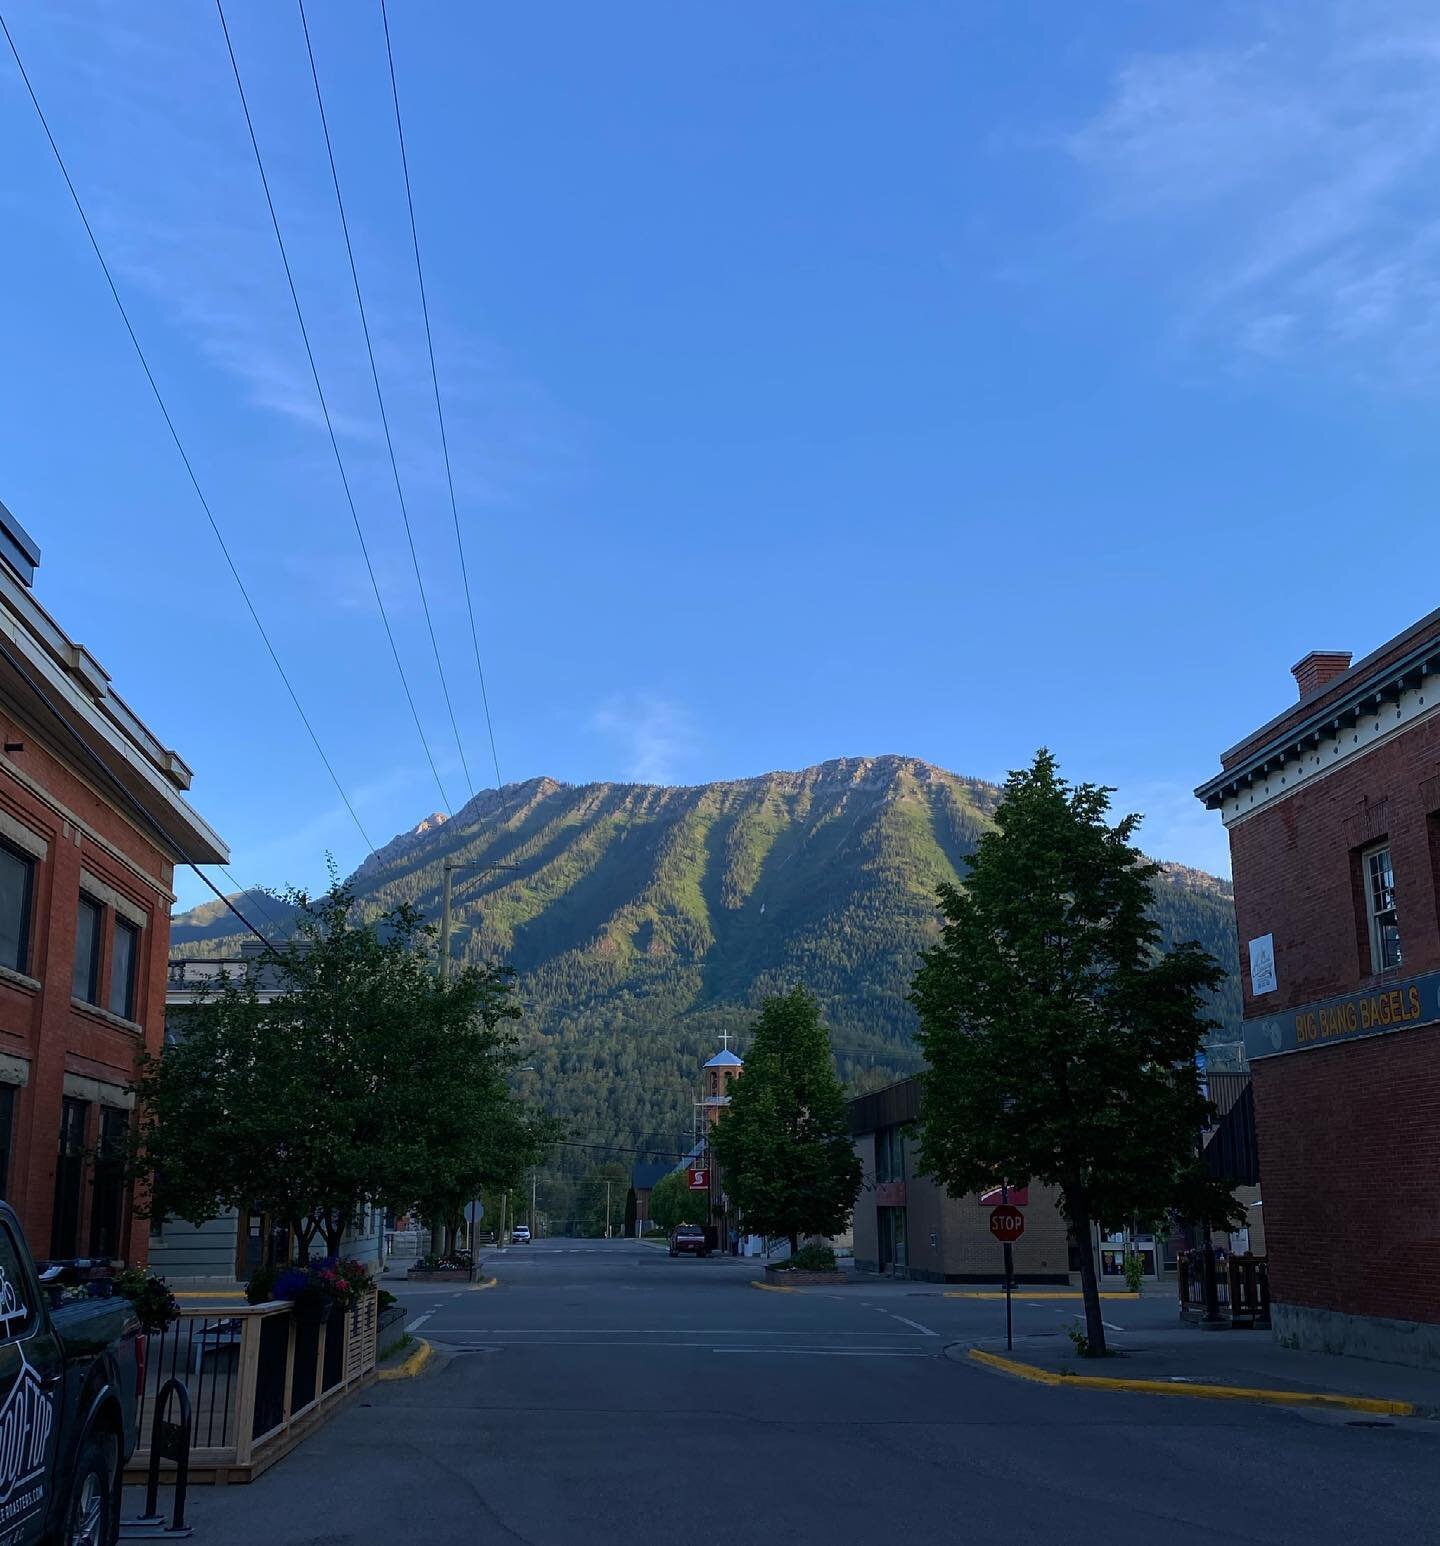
x,y
260,1379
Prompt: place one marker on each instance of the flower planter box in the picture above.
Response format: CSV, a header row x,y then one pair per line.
x,y
794,1276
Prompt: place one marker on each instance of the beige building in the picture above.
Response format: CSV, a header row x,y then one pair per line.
x,y
906,1224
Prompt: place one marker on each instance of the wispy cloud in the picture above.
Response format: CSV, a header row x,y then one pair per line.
x,y
150,121
1287,180
656,736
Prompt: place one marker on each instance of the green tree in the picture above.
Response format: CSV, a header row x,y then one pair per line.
x,y
672,1202
1061,1042
783,1146
355,1076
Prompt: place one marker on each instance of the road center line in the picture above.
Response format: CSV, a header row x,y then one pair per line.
x,y
651,1331
905,1320
825,1352
419,1321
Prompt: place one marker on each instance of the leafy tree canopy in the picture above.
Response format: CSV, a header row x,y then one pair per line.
x,y
672,1202
338,1070
1061,1041
784,1148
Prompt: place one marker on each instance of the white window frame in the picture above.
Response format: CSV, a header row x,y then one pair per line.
x,y
1375,913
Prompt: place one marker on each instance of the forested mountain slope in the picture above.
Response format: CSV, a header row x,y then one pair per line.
x,y
643,920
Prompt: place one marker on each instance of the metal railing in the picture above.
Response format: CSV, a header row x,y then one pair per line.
x,y
256,1377
1242,1284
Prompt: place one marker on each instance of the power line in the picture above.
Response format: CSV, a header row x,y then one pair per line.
x,y
23,671
258,892
380,396
324,405
435,382
175,436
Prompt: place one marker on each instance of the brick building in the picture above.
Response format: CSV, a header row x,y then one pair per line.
x,y
92,821
1333,811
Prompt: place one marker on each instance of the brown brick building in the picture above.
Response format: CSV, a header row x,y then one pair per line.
x,y
91,824
1333,810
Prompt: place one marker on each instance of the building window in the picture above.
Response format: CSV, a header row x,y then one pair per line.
x,y
17,882
69,1176
7,1130
890,1154
1380,903
108,1186
85,984
124,955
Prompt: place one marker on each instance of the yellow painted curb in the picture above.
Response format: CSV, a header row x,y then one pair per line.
x,y
771,1288
1027,1371
475,1288
1020,1293
412,1365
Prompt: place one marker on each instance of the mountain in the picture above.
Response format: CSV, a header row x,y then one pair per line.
x,y
644,920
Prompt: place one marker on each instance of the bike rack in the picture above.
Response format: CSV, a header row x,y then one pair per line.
x,y
168,1441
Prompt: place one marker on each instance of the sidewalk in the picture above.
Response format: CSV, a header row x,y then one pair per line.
x,y
1242,1362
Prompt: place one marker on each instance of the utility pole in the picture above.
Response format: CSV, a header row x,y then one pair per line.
x,y
533,1183
447,904
607,1207
447,898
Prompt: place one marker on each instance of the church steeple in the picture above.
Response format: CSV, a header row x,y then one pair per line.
x,y
719,1071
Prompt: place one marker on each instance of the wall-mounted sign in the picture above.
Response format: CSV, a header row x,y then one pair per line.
x,y
699,1178
1398,1006
1262,964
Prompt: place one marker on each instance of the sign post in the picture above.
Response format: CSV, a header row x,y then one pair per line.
x,y
474,1212
1007,1224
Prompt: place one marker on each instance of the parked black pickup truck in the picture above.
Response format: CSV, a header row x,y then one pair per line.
x,y
68,1381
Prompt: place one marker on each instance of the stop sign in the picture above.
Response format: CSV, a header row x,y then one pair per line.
x,y
1007,1223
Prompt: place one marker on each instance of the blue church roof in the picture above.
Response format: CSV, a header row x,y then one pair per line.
x,y
726,1059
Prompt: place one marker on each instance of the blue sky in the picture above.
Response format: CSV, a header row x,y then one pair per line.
x,y
822,379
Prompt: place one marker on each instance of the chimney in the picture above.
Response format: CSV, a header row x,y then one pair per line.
x,y
1319,667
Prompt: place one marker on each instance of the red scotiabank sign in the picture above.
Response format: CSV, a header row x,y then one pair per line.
x,y
699,1178
1007,1223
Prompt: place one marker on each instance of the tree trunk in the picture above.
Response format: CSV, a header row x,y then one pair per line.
x,y
1077,1209
794,1244
303,1236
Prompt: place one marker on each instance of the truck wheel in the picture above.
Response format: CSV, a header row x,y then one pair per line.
x,y
89,1519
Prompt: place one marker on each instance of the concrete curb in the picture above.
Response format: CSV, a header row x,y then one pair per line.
x,y
412,1365
1262,1397
771,1288
476,1288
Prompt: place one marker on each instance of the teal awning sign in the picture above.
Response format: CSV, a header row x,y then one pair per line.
x,y
1397,1006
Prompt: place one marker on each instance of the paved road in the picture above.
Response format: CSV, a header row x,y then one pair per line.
x,y
604,1393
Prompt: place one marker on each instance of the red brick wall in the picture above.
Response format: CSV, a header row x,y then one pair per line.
x,y
1294,871
1350,1171
43,1026
1349,1134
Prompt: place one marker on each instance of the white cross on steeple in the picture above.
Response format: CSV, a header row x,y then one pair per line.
x,y
725,1040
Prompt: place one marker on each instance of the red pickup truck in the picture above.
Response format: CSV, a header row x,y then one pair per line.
x,y
69,1375
689,1240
